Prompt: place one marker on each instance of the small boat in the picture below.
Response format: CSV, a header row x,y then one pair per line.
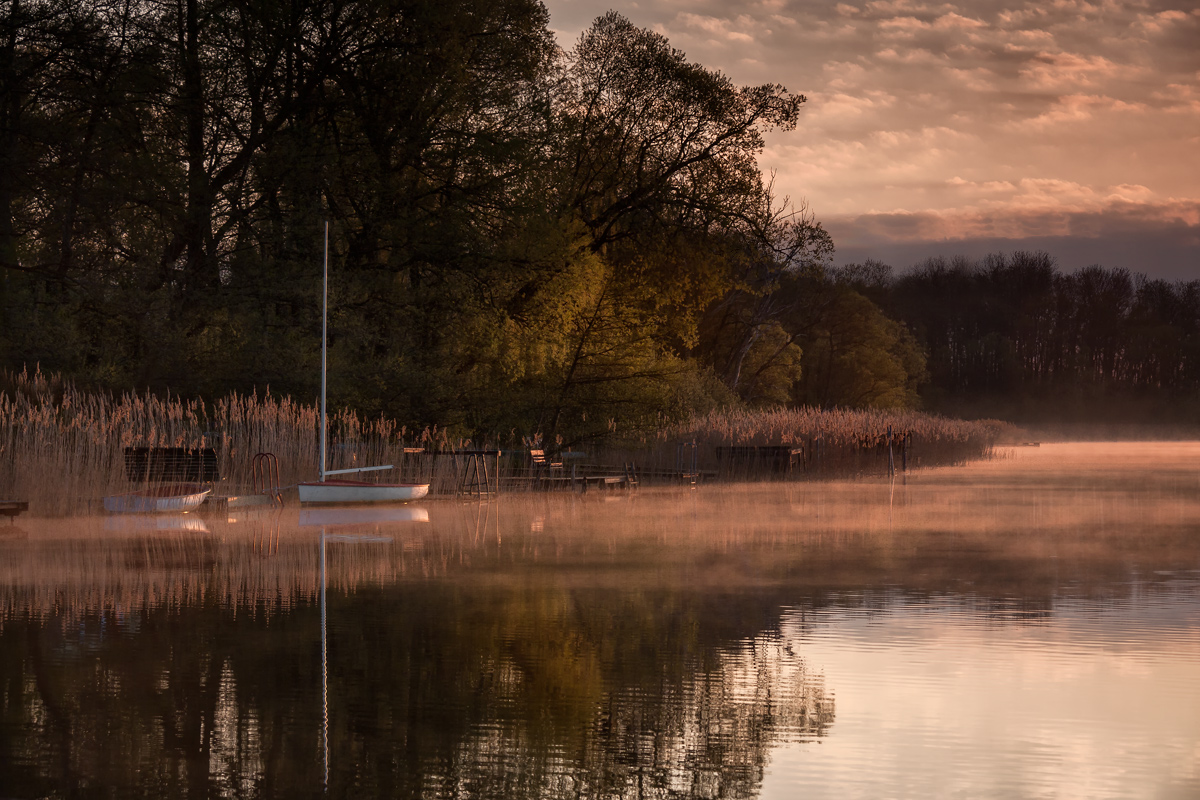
x,y
360,492
344,491
169,498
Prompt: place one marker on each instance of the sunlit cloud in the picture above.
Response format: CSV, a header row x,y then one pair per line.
x,y
977,116
914,56
905,26
1021,16
954,21
719,29
1078,108
1066,70
1157,23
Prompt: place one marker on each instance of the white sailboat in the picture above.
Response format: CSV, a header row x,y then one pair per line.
x,y
342,491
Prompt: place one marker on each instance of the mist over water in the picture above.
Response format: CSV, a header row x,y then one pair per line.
x,y
1026,626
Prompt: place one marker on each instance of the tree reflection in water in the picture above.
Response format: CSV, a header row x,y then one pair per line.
x,y
614,646
211,684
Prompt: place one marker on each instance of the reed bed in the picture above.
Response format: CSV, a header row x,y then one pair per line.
x,y
62,449
823,442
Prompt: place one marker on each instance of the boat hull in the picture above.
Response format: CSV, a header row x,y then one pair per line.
x,y
177,498
361,492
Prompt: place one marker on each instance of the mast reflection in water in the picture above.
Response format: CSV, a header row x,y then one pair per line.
x,y
673,644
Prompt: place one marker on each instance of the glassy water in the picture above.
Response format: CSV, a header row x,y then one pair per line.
x,y
1025,627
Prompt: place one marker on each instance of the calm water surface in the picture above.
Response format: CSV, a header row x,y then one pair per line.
x,y
1027,627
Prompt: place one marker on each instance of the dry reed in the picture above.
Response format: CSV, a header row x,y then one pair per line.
x,y
62,449
826,442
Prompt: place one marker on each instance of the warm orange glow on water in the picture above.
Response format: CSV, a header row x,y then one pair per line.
x,y
1027,626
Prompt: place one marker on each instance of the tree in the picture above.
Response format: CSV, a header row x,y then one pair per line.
x,y
508,220
750,334
856,357
648,137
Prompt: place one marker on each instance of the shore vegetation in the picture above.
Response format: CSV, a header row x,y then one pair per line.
x,y
62,448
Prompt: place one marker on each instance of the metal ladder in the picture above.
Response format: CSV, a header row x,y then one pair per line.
x,y
264,477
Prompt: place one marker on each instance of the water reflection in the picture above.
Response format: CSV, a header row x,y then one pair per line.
x,y
683,644
498,691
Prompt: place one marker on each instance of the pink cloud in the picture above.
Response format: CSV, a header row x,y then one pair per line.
x,y
954,21
1157,23
991,116
1060,70
905,26
1073,109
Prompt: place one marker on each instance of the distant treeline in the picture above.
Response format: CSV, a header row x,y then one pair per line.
x,y
1011,335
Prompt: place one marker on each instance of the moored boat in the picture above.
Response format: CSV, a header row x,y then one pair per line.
x,y
344,491
169,498
334,491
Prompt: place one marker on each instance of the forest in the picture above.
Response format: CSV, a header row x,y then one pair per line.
x,y
523,238
1012,336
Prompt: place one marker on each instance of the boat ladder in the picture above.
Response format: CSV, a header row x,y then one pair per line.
x,y
264,477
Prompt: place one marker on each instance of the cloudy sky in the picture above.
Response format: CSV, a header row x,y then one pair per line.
x,y
969,127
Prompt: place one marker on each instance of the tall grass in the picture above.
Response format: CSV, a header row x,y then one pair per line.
x,y
830,442
62,449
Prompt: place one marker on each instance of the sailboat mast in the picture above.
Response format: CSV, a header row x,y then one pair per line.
x,y
324,345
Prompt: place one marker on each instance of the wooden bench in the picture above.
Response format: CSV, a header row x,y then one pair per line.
x,y
546,472
541,462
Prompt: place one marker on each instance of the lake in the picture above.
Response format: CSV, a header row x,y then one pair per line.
x,y
1023,627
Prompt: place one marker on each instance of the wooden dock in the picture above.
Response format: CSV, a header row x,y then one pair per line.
x,y
780,459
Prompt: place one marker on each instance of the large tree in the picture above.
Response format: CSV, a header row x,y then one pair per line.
x,y
521,237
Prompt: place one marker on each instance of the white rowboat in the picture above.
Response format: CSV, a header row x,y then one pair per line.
x,y
360,492
170,498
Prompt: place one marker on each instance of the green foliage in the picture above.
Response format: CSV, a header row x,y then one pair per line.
x,y
772,368
522,238
855,357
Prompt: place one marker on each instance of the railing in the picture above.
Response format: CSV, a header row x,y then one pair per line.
x,y
264,476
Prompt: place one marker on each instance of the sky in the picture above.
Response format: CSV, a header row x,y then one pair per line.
x,y
966,128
